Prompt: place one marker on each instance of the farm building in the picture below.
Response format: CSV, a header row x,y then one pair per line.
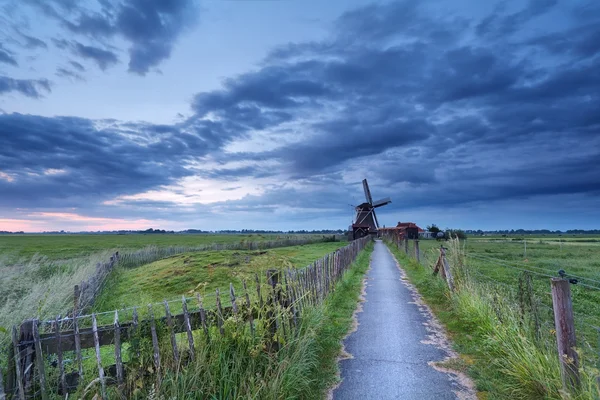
x,y
408,230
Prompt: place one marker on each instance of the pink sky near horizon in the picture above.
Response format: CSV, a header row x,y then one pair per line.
x,y
56,221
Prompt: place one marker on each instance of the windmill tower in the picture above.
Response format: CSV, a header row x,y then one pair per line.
x,y
365,222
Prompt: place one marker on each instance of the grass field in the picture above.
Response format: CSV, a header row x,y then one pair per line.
x,y
493,324
66,246
38,272
201,272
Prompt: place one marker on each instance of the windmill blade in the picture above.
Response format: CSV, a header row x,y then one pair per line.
x,y
375,218
367,192
382,202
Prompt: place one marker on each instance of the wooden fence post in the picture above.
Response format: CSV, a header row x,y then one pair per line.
x,y
59,355
273,343
39,361
565,333
447,271
171,331
155,349
249,305
76,296
406,245
17,352
417,253
188,328
98,359
118,358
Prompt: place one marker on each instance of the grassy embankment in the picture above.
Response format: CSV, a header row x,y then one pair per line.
x,y
500,345
236,366
38,272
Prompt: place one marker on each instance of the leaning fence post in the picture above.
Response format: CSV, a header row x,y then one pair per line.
x,y
188,327
447,271
565,333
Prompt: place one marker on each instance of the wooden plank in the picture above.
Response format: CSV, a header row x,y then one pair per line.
x,y
98,358
106,336
18,366
155,349
39,361
171,332
59,355
565,333
188,328
118,359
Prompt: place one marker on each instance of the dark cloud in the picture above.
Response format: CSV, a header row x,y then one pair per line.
x,y
150,27
66,73
28,87
7,57
499,25
77,66
103,58
416,114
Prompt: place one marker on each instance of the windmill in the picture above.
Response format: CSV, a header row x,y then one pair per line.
x,y
365,222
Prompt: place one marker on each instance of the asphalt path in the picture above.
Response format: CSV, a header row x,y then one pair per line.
x,y
389,359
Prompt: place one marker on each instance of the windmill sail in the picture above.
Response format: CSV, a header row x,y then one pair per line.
x,y
367,192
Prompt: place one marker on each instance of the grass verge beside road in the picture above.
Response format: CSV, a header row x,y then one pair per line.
x,y
236,367
499,348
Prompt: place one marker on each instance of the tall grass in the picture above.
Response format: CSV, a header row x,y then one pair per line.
x,y
238,364
506,354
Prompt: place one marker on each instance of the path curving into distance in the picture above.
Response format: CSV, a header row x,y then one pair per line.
x,y
395,343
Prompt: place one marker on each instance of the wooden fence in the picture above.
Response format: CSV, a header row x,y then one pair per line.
x,y
562,308
37,359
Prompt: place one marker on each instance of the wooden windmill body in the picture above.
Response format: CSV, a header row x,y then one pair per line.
x,y
365,222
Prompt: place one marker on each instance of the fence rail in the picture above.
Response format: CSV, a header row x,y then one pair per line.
x,y
276,307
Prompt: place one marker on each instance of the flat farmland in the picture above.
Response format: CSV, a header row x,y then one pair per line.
x,y
38,272
58,246
202,273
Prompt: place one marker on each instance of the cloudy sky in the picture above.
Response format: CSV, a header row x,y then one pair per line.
x,y
266,114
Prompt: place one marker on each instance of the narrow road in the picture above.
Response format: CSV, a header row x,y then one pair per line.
x,y
389,359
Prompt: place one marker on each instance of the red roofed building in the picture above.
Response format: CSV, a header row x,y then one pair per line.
x,y
408,230
403,230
